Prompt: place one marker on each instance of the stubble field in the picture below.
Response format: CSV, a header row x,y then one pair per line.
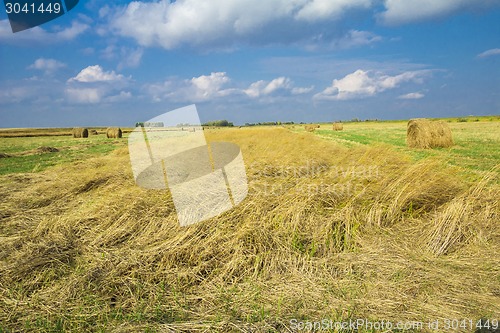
x,y
337,226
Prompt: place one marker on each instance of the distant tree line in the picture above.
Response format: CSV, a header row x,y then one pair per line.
x,y
219,123
270,123
357,120
225,123
149,124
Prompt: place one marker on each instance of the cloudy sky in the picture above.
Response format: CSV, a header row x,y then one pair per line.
x,y
115,63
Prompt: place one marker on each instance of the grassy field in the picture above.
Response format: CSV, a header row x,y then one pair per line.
x,y
25,153
337,225
476,143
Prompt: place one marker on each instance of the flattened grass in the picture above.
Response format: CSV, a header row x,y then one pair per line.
x,y
84,249
326,232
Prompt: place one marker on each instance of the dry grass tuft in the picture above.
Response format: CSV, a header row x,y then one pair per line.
x,y
114,132
80,132
423,133
466,217
405,193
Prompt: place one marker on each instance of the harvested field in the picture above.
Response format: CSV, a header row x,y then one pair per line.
x,y
365,228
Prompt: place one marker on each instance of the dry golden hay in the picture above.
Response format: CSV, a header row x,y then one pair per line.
x,y
310,128
79,132
423,133
124,250
338,126
318,126
93,132
114,133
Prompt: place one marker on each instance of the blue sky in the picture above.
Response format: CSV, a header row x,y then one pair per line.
x,y
116,63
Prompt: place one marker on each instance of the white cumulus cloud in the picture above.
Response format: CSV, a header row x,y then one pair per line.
x,y
324,9
361,84
278,86
196,89
94,85
262,88
207,86
96,74
227,22
217,85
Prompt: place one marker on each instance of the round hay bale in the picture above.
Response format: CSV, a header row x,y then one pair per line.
x,y
93,132
338,126
79,132
423,133
310,128
114,133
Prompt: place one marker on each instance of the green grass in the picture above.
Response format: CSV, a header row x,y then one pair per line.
x,y
23,157
475,149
